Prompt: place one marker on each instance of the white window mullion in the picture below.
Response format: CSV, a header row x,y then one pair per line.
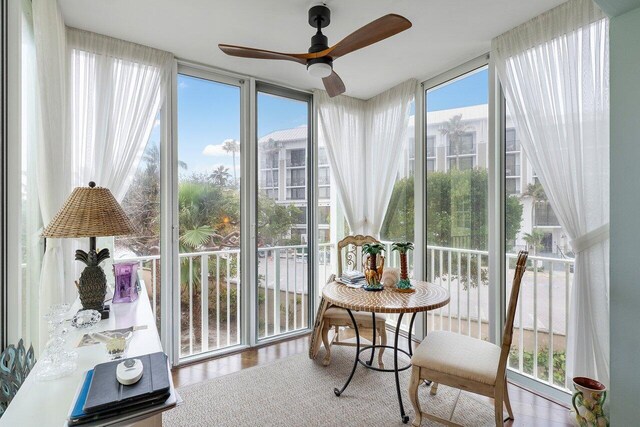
x,y
248,220
169,265
497,275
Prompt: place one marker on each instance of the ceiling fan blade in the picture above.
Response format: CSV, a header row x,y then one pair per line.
x,y
249,52
333,84
373,32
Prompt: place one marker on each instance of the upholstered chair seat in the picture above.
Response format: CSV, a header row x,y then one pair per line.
x,y
454,354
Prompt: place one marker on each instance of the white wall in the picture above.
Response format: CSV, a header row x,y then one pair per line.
x,y
625,209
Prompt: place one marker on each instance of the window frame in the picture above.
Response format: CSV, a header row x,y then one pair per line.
x,y
260,86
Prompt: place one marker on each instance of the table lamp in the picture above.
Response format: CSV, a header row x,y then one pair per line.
x,y
90,212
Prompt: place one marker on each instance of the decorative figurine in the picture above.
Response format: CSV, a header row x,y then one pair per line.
x,y
373,265
404,285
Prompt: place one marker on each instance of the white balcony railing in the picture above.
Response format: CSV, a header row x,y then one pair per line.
x,y
540,328
211,295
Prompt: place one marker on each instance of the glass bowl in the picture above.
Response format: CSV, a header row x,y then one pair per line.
x,y
85,319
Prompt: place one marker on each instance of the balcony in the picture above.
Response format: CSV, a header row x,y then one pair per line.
x,y
210,323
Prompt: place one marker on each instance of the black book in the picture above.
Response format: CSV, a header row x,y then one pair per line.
x,y
106,393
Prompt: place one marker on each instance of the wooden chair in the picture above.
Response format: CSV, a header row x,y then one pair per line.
x,y
336,317
467,363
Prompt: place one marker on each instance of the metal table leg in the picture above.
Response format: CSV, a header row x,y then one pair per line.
x,y
373,343
405,418
413,317
355,362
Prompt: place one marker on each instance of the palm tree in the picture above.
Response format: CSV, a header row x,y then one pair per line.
x,y
232,146
221,176
455,129
403,248
534,240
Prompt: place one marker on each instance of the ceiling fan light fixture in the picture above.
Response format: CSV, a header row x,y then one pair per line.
x,y
320,69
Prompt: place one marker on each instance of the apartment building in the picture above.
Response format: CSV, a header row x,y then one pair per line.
x,y
283,177
283,171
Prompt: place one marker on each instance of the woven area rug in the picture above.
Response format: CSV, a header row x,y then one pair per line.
x,y
297,391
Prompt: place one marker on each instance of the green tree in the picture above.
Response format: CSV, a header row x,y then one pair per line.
x,y
142,202
275,221
398,223
456,215
513,219
456,203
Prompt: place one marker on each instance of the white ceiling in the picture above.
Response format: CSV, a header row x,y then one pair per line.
x,y
445,33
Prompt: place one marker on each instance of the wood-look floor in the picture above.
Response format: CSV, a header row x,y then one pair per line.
x,y
529,409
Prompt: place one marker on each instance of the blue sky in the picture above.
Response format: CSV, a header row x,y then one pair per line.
x,y
209,113
470,90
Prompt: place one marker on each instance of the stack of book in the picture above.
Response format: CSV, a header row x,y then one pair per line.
x,y
353,278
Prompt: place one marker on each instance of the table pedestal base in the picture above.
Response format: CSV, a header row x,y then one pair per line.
x,y
368,363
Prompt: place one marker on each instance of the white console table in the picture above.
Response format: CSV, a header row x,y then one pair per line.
x,y
48,403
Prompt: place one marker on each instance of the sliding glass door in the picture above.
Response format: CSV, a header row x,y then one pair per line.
x,y
209,199
283,206
456,138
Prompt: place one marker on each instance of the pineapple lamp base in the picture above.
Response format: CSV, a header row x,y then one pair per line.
x,y
92,286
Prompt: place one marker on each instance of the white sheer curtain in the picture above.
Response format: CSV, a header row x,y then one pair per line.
x,y
387,120
555,74
364,141
341,125
53,147
117,89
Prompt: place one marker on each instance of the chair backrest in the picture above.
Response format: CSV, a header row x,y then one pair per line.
x,y
507,335
353,254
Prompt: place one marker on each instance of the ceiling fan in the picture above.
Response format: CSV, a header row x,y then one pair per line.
x,y
319,60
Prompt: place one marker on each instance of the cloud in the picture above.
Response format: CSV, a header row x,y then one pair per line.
x,y
214,150
156,123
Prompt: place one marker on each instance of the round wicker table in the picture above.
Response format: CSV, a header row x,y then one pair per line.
x,y
426,297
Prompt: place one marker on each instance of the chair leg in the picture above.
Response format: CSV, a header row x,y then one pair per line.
x,y
507,402
327,345
413,395
434,389
382,330
499,404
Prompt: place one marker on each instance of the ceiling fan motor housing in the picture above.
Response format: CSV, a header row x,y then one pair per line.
x,y
319,17
319,14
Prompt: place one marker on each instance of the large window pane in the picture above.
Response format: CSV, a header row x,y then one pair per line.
x,y
540,330
209,154
457,201
282,214
398,224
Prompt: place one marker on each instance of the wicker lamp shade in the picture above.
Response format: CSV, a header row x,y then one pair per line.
x,y
89,212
